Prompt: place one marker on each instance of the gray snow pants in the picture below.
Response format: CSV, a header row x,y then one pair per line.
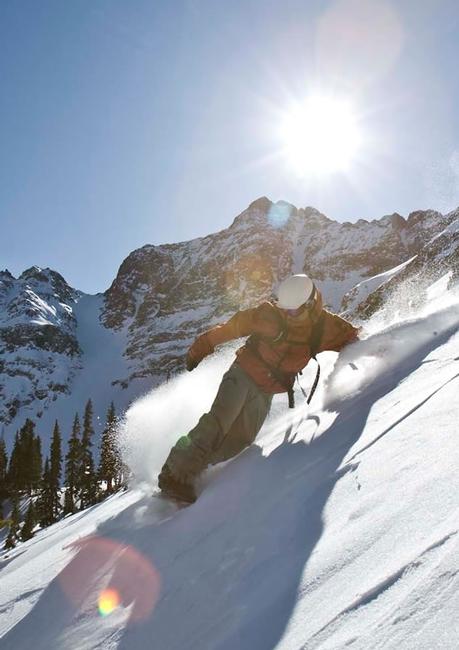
x,y
231,425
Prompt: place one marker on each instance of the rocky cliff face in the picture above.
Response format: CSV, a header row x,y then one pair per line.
x,y
164,295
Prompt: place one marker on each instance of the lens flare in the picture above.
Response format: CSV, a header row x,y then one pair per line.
x,y
109,600
110,574
358,42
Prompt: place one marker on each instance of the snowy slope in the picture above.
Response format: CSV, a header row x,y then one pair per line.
x,y
338,529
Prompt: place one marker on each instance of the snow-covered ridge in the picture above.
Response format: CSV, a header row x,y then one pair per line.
x,y
38,296
362,290
409,284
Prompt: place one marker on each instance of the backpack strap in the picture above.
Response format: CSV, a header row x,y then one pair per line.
x,y
315,347
316,340
317,334
314,385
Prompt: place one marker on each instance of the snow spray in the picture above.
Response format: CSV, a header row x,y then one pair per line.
x,y
382,351
154,422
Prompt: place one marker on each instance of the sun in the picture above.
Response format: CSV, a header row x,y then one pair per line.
x,y
321,136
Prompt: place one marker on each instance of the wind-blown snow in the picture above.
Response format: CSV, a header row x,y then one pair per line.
x,y
156,421
338,529
385,350
363,289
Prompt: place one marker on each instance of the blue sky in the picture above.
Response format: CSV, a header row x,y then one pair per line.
x,y
130,122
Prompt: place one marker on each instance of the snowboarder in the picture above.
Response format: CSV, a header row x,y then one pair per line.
x,y
282,338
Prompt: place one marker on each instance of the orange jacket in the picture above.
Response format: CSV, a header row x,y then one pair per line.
x,y
278,346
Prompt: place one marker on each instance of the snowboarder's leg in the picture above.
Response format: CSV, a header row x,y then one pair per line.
x,y
191,454
245,428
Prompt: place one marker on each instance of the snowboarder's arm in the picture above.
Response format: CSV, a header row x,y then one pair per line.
x,y
241,324
337,332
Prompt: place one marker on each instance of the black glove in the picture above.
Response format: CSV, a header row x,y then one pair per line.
x,y
190,363
198,351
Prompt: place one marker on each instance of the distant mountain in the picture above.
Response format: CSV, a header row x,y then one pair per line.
x,y
39,348
59,346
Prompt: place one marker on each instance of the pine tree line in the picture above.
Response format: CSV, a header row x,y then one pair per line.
x,y
28,481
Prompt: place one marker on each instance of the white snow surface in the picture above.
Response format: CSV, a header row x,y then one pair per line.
x,y
338,528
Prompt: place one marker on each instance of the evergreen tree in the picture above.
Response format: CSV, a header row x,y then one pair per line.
x,y
25,465
14,467
3,473
36,465
69,503
109,465
11,539
29,522
27,459
55,471
87,476
45,502
14,524
72,464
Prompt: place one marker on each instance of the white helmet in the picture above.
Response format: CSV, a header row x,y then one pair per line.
x,y
295,291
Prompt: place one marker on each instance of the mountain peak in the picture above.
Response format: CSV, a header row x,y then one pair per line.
x,y
262,203
44,275
265,211
395,220
421,215
35,273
